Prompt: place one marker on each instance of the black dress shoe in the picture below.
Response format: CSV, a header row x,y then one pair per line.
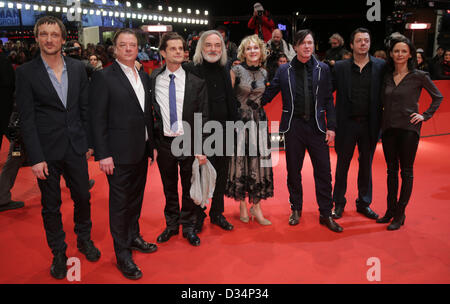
x,y
58,270
129,269
89,250
193,239
397,222
140,245
222,222
367,212
330,223
294,218
338,210
385,219
166,235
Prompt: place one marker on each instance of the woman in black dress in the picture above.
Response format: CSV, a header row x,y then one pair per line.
x,y
401,124
250,174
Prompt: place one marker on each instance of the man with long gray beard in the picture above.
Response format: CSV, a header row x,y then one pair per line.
x,y
209,63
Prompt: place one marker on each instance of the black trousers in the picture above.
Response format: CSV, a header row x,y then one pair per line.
x,y
356,134
126,193
74,168
221,165
305,135
168,166
400,148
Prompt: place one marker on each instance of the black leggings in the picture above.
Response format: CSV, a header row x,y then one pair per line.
x,y
399,147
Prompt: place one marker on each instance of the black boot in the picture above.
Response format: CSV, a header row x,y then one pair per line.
x,y
399,218
390,212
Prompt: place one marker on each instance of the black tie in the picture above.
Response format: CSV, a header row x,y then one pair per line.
x,y
306,88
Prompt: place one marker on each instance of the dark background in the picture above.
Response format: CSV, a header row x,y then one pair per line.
x,y
323,17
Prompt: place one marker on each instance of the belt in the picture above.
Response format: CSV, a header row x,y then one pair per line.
x,y
303,117
168,138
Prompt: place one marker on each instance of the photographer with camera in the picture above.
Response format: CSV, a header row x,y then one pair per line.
x,y
261,22
7,92
16,159
74,50
12,165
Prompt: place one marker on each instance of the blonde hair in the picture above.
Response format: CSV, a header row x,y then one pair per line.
x,y
256,40
338,38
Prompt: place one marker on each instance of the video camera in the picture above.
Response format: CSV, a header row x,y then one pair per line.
x,y
72,49
13,134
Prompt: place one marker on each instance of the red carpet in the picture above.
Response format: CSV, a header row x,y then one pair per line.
x,y
308,253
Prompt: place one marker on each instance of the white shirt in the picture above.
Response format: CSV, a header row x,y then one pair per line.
x,y
137,85
162,97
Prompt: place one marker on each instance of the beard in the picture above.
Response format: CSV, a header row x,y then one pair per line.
x,y
211,57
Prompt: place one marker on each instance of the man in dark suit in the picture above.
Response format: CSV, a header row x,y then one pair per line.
x,y
122,124
51,96
357,82
177,95
209,63
308,123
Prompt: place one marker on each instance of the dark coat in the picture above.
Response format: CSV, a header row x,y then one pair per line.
x,y
342,83
47,126
117,120
195,101
285,81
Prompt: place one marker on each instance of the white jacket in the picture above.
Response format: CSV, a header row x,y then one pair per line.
x,y
203,182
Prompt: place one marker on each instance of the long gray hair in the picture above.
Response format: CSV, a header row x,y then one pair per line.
x,y
198,57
